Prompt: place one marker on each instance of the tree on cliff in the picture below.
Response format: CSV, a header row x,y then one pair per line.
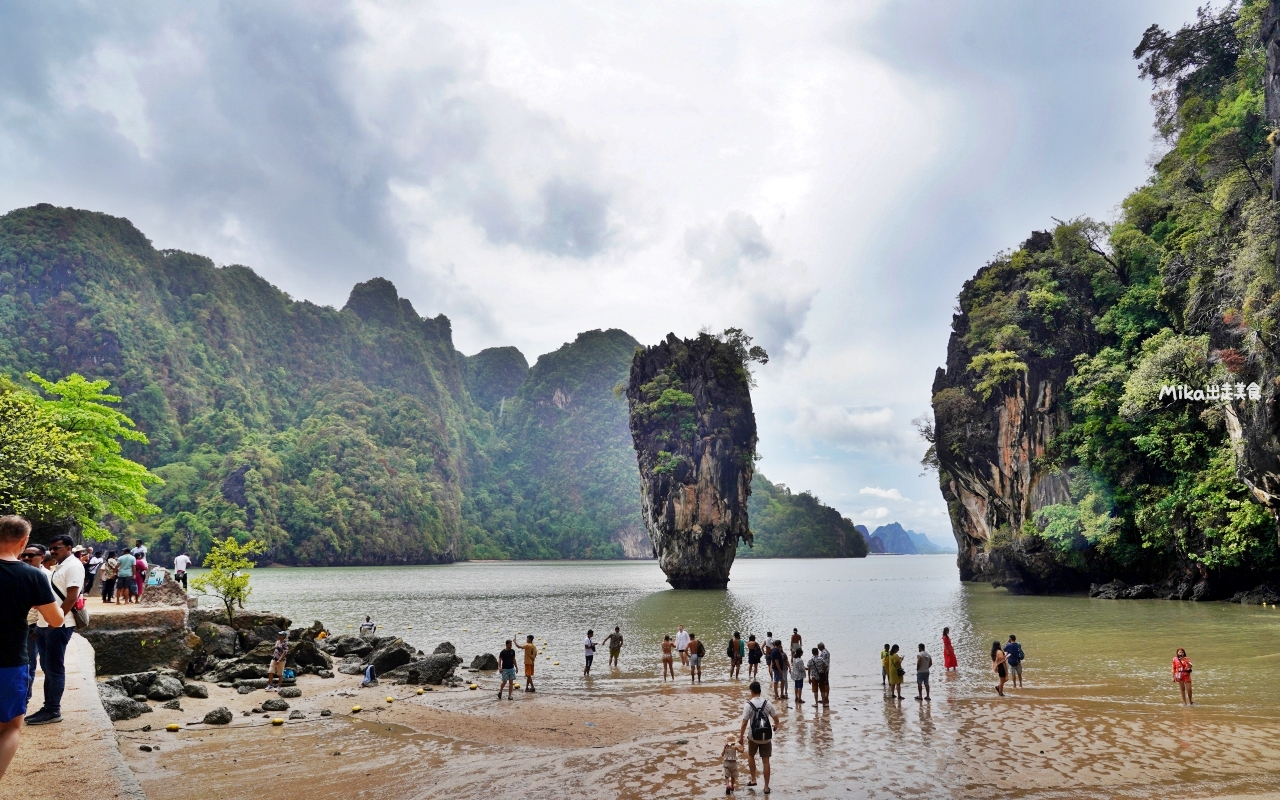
x,y
60,459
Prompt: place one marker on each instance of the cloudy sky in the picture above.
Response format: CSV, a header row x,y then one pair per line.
x,y
824,175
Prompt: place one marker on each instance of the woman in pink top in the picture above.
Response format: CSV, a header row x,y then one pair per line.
x,y
1182,675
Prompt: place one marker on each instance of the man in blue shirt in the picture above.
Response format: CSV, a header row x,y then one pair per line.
x,y
1015,656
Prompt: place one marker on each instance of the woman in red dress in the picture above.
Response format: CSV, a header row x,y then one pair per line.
x,y
948,652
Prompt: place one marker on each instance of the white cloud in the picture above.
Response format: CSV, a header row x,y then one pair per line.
x,y
888,494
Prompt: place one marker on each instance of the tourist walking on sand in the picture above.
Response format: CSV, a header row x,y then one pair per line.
x,y
797,641
51,641
948,652
107,574
924,662
754,654
884,670
278,655
1014,656
22,588
589,650
507,670
696,654
1182,675
1000,666
682,644
735,651
729,760
757,716
530,660
798,672
668,657
893,668
614,640
180,564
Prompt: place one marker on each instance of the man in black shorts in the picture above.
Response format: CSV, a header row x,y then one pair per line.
x,y
22,588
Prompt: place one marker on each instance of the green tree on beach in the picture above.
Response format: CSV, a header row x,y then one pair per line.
x,y
61,459
229,562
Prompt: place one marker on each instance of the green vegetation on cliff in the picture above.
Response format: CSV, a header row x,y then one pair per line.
x,y
785,524
1180,290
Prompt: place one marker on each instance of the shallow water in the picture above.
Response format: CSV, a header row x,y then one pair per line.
x,y
1100,716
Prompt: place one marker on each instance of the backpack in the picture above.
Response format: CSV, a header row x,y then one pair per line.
x,y
761,728
702,651
730,650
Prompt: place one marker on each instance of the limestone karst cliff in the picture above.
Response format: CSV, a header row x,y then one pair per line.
x,y
695,440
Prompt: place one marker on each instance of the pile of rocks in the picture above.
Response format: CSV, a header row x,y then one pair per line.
x,y
392,658
126,696
243,651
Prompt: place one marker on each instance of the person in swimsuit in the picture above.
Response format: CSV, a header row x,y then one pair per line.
x,y
948,652
999,665
735,651
754,654
1182,675
893,669
668,657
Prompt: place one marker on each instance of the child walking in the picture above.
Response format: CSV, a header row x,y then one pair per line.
x,y
729,758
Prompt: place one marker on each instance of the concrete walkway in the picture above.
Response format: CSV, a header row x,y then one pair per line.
x,y
77,757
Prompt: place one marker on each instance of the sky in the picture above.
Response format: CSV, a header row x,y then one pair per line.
x,y
823,175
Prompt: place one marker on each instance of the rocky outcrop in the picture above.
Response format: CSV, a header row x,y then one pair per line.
x,y
485,662
142,639
695,437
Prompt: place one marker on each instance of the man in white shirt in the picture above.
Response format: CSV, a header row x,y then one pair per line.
x,y
51,643
180,565
682,644
757,715
588,651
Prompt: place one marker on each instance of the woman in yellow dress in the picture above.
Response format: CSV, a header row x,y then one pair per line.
x,y
893,666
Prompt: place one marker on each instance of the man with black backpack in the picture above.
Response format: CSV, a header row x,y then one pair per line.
x,y
757,716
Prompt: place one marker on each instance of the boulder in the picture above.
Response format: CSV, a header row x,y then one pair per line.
x,y
119,705
246,689
1257,596
219,641
172,705
296,714
347,645
219,716
291,692
324,673
164,687
275,704
118,651
445,647
434,669
1119,590
306,634
351,665
391,655
169,593
305,656
488,661
196,690
253,683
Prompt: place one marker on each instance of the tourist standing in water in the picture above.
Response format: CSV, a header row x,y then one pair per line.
x,y
754,654
893,667
735,652
614,640
924,662
815,664
696,652
530,660
798,673
824,673
1014,655
588,650
1000,666
948,652
682,644
1182,675
884,665
507,669
668,659
797,641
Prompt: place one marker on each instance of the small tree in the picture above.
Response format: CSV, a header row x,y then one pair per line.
x,y
229,563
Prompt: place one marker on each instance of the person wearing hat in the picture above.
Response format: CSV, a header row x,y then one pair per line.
x,y
278,655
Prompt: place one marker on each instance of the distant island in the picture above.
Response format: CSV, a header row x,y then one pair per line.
x,y
893,539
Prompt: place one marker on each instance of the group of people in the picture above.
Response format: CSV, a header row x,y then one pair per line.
x,y
1006,663
125,577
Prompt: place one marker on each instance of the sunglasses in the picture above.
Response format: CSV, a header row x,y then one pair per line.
x,y
32,555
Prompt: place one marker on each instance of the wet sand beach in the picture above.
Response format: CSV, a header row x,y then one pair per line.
x,y
1099,700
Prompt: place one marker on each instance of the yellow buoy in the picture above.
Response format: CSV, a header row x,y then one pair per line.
x,y
408,627
277,721
474,686
555,663
355,709
419,691
391,699
464,630
172,727
349,627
